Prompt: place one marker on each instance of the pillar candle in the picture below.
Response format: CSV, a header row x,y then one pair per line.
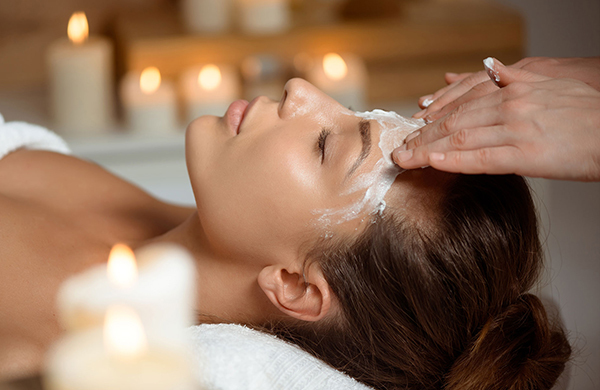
x,y
206,16
150,103
116,357
209,89
344,78
163,292
263,16
80,75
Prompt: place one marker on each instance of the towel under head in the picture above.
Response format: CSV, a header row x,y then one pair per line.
x,y
228,356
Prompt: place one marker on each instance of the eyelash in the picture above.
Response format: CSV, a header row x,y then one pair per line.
x,y
321,143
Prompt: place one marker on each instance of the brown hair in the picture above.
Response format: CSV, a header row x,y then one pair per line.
x,y
443,305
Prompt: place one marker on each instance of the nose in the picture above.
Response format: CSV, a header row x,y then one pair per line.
x,y
298,88
300,97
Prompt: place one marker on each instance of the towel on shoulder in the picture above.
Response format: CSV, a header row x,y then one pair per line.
x,y
18,135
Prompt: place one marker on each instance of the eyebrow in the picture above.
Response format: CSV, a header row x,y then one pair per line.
x,y
364,128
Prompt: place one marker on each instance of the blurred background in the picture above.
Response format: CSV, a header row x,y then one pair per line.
x,y
123,95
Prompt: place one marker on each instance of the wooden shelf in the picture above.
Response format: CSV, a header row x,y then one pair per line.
x,y
405,56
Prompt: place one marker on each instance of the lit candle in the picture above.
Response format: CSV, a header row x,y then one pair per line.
x,y
209,90
206,16
161,290
264,16
80,75
117,356
150,103
344,78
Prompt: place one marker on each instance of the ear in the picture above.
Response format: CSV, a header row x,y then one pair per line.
x,y
308,300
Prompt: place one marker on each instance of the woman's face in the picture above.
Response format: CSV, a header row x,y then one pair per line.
x,y
261,173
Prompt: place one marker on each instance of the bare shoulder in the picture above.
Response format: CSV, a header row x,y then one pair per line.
x,y
59,180
31,173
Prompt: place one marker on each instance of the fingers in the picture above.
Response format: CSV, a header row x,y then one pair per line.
x,y
452,92
461,140
480,90
425,101
477,113
460,84
502,75
454,77
495,160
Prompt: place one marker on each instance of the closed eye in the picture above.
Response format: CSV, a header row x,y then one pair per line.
x,y
321,143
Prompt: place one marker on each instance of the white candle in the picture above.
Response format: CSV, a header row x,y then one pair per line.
x,y
117,357
163,292
344,78
264,16
150,103
209,90
80,75
206,16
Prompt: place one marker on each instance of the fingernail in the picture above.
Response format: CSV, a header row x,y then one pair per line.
x,y
437,156
419,114
490,67
404,155
452,74
428,119
412,135
428,100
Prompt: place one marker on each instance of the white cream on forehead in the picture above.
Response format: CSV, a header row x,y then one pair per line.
x,y
393,129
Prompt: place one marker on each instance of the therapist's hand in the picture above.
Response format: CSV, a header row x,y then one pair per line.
x,y
530,125
468,86
478,84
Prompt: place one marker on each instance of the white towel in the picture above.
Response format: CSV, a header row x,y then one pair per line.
x,y
233,357
17,135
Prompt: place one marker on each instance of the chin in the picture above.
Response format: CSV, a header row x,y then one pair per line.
x,y
199,125
198,141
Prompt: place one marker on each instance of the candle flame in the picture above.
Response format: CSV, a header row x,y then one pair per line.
x,y
150,80
209,77
78,29
122,268
335,67
124,335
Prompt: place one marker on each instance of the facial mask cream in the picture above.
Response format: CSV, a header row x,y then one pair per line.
x,y
393,129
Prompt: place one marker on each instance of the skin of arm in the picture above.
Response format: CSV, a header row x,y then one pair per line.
x,y
530,124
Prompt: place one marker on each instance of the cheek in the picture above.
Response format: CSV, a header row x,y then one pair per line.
x,y
259,198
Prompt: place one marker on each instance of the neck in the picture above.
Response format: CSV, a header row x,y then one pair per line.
x,y
227,289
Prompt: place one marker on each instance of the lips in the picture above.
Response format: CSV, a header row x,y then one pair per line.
x,y
235,114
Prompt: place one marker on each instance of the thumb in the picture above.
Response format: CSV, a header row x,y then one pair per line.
x,y
503,75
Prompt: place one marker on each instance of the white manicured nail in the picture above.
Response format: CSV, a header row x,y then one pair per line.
x,y
490,67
